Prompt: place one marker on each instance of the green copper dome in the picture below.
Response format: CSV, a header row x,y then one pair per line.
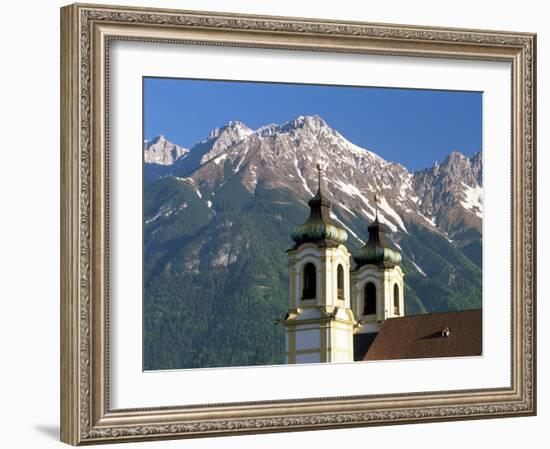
x,y
376,251
319,227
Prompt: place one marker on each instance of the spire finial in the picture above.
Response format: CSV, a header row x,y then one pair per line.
x,y
320,169
376,201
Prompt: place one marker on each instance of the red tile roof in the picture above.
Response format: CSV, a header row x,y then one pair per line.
x,y
419,336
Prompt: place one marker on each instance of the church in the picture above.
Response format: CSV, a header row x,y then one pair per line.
x,y
344,313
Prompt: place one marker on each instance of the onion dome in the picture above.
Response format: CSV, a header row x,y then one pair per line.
x,y
376,251
319,227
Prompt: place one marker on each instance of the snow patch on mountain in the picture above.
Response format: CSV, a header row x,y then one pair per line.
x,y
348,229
431,220
250,181
347,209
220,159
392,213
165,211
370,216
420,270
383,219
240,163
304,182
354,192
185,180
473,199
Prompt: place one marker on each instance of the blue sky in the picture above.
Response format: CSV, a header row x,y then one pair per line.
x,y
411,126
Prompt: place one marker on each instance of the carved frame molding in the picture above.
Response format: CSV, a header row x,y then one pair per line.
x,y
87,31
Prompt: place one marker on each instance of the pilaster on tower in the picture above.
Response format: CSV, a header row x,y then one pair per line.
x,y
319,323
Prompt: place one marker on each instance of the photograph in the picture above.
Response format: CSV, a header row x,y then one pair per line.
x,y
288,223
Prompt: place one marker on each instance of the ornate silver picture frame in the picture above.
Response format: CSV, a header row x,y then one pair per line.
x,y
87,413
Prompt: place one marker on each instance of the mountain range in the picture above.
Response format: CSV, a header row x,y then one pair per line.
x,y
217,223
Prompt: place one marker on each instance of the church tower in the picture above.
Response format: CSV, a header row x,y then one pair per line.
x,y
376,281
319,324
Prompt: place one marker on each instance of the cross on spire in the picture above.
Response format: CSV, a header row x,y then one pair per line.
x,y
320,167
376,201
319,171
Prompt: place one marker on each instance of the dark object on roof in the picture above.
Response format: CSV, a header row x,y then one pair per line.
x,y
446,334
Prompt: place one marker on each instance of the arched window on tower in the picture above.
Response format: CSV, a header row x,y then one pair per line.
x,y
340,281
395,299
309,290
369,306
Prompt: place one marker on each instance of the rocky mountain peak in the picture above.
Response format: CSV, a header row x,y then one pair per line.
x,y
284,156
233,127
450,193
312,121
154,140
456,168
224,137
477,166
456,164
304,123
161,151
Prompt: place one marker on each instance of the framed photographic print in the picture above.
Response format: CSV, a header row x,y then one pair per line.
x,y
282,224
